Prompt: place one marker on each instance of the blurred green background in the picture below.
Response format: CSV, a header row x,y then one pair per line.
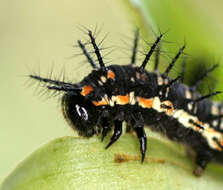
x,y
39,34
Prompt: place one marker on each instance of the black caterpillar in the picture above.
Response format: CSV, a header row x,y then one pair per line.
x,y
112,94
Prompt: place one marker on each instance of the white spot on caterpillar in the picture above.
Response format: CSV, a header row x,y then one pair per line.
x,y
221,126
215,123
195,108
156,104
188,94
166,81
100,83
160,80
132,98
189,106
112,101
214,109
103,79
167,92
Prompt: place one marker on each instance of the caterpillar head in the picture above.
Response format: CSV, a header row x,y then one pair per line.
x,y
80,113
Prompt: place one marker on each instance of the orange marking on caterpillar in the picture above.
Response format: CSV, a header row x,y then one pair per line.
x,y
86,90
221,143
196,128
123,99
100,103
111,75
210,130
146,103
218,148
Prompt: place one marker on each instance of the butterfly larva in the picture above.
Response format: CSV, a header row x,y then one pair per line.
x,y
110,95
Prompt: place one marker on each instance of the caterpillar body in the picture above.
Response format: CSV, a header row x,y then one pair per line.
x,y
110,95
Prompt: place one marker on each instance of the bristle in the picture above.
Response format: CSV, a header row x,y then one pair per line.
x,y
87,54
59,85
135,46
183,69
204,76
173,61
97,51
152,49
206,96
156,65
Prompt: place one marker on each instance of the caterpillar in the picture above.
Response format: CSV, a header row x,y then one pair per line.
x,y
110,95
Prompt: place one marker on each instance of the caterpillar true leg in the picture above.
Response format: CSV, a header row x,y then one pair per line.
x,y
117,132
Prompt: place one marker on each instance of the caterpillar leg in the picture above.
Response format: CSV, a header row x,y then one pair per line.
x,y
117,133
138,126
106,127
202,159
142,140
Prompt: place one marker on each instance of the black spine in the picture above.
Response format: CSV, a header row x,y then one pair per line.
x,y
97,51
135,46
148,55
86,53
173,61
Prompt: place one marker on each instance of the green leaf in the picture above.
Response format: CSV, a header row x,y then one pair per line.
x,y
78,163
